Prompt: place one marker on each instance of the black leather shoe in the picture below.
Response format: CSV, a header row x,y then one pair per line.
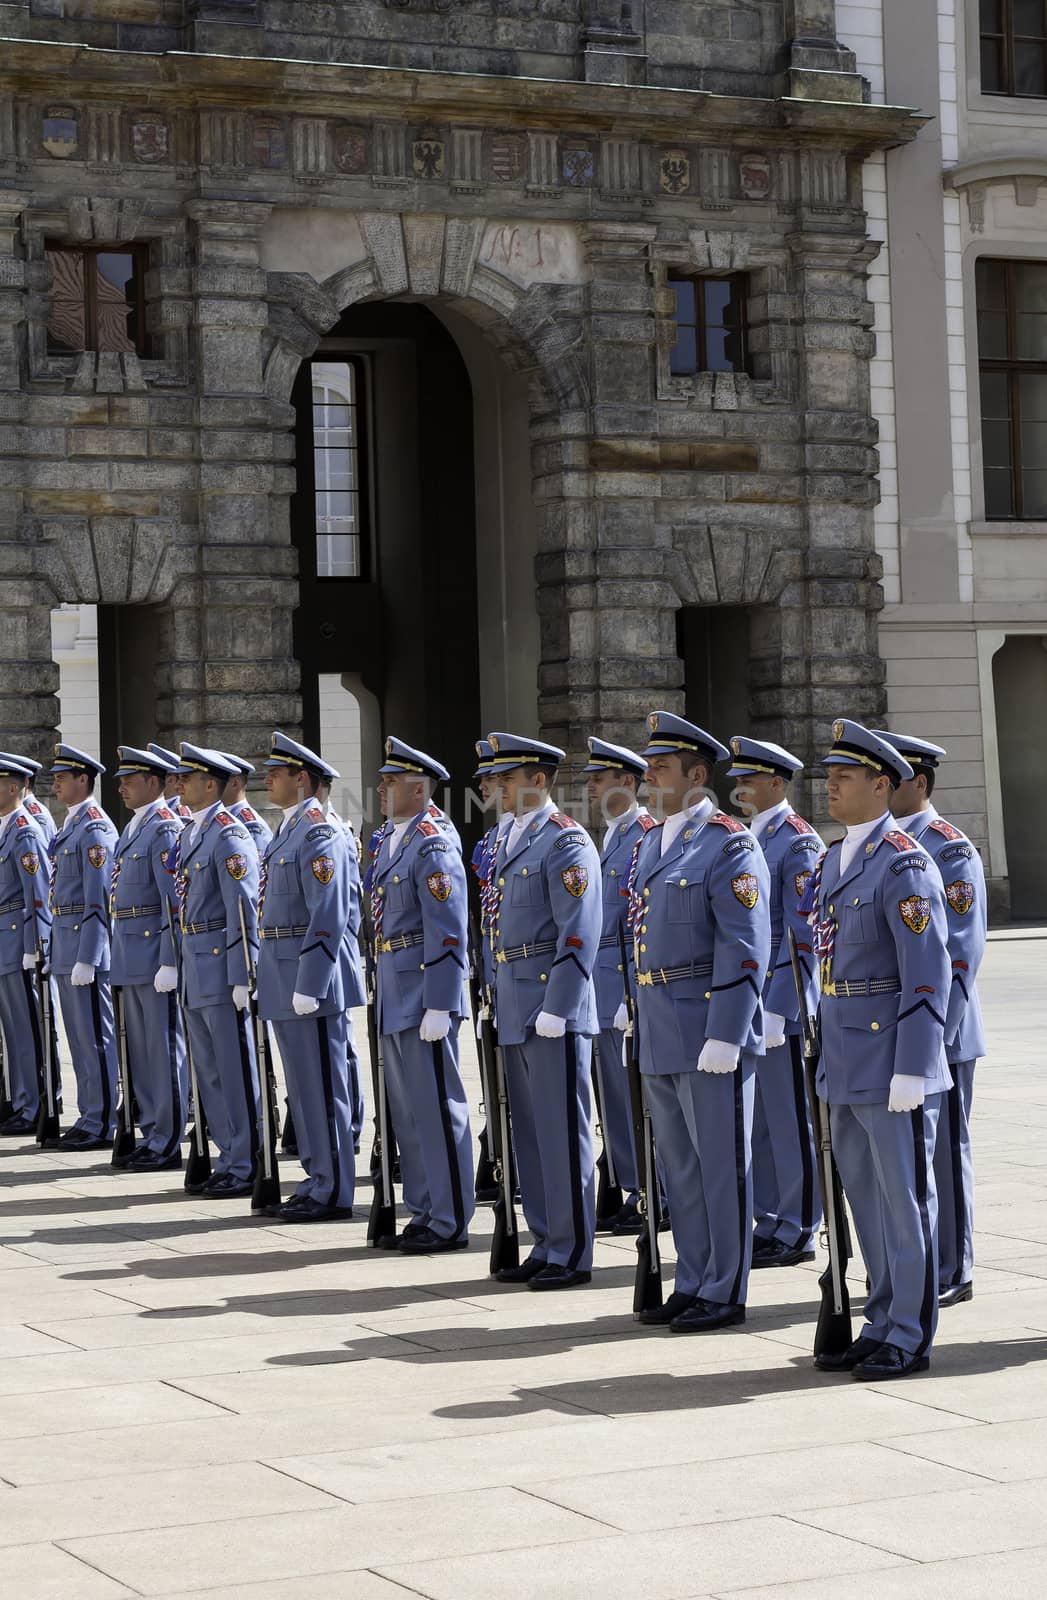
x,y
628,1219
152,1161
528,1269
426,1242
705,1315
890,1362
846,1360
761,1246
80,1139
303,1208
956,1295
552,1277
226,1187
780,1254
17,1127
675,1306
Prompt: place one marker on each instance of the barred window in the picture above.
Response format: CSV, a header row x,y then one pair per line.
x,y
339,490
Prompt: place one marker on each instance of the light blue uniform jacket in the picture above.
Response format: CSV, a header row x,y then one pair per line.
x,y
549,895
82,859
887,921
142,889
24,915
705,904
965,908
218,873
41,815
791,849
260,831
423,922
308,895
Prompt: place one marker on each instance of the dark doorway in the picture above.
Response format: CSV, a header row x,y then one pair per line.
x,y
713,644
129,640
1020,685
384,522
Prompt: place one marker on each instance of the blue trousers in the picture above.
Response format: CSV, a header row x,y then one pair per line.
x,y
616,1113
703,1129
227,1077
431,1121
954,1178
886,1167
157,1064
88,1016
20,1020
313,1050
551,1110
785,1188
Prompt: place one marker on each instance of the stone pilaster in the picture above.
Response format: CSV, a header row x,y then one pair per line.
x,y
819,66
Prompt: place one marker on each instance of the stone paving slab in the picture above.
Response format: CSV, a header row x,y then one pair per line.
x,y
196,1403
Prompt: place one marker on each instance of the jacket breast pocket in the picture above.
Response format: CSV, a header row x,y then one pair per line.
x,y
875,1017
135,867
683,898
526,888
856,919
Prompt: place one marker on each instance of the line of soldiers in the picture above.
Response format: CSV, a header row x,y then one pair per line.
x,y
889,924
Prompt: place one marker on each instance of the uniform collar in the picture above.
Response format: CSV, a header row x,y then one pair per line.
x,y
919,820
525,827
74,811
671,837
765,821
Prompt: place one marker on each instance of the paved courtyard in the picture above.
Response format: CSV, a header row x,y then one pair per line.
x,y
195,1403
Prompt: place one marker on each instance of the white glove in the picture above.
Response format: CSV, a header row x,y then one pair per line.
x,y
28,963
906,1094
718,1057
166,980
546,1026
240,996
434,1027
82,974
621,1018
773,1030
304,1004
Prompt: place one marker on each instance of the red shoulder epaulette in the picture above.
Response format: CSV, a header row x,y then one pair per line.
x,y
800,824
722,820
901,841
562,820
247,815
647,822
164,814
23,822
314,814
33,806
434,810
224,818
946,829
93,814
428,828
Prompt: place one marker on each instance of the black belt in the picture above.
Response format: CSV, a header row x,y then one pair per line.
x,y
283,933
399,941
124,912
608,942
216,925
68,911
544,947
695,969
12,905
860,988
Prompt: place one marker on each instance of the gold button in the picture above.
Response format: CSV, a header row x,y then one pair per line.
x,y
708,994
614,873
381,891
683,883
832,909
646,893
875,1026
76,927
857,902
146,934
643,949
421,966
134,855
523,874
395,878
542,978
644,928
214,952
501,883
282,862
770,974
619,966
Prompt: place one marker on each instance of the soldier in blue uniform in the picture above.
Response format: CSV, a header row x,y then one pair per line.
x,y
785,1188
352,963
483,858
614,776
881,935
25,925
545,932
173,783
36,809
699,897
419,912
81,866
143,908
306,905
216,872
965,907
234,799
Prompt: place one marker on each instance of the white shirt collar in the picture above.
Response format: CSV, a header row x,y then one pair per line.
x,y
6,821
673,826
74,811
529,819
627,817
139,814
856,836
928,814
763,819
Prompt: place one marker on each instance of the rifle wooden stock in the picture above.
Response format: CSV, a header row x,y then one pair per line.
x,y
265,1190
833,1333
198,1164
124,1137
381,1220
47,1124
647,1286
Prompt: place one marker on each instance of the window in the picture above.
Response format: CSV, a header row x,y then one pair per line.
x,y
1012,366
711,334
1014,46
97,300
338,464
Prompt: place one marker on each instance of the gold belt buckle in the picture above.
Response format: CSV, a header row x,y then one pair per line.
x,y
645,980
830,990
500,956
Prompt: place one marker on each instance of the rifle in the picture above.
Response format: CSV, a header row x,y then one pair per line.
x,y
266,1190
647,1288
609,1197
833,1332
124,1137
7,1109
485,1176
198,1165
381,1222
47,1126
505,1240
